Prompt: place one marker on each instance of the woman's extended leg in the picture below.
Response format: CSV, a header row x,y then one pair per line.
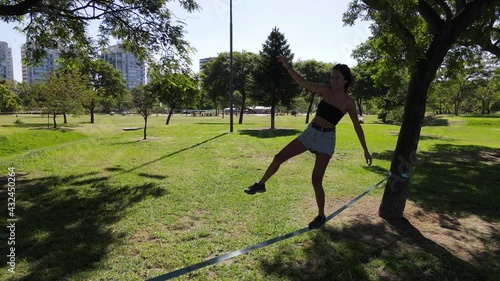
x,y
292,149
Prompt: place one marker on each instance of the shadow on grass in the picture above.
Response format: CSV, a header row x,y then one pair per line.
x,y
480,115
435,121
393,250
455,179
65,227
268,133
123,171
459,180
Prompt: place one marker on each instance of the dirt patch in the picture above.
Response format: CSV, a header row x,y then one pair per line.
x,y
467,238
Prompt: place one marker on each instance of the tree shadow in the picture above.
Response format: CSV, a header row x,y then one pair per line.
x,y
458,180
393,250
268,133
66,231
122,171
481,116
431,121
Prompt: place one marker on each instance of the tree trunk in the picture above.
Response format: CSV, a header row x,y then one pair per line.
x,y
145,126
54,118
169,116
243,98
92,108
404,157
65,118
310,107
360,112
273,111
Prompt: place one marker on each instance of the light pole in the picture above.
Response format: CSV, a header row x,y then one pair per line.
x,y
231,66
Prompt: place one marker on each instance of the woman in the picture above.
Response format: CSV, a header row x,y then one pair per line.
x,y
319,137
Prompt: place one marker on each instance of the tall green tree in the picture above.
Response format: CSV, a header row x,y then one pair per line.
x,y
364,88
175,89
428,30
276,86
62,93
144,27
316,71
9,101
107,84
215,78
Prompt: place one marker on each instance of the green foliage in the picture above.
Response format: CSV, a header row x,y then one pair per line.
x,y
275,86
63,93
215,77
9,101
176,89
107,83
144,27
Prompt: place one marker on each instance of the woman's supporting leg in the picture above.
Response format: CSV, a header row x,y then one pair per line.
x,y
320,165
292,149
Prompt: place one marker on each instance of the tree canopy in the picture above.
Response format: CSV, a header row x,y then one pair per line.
x,y
422,33
143,27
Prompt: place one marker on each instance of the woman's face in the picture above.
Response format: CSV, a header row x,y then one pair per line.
x,y
337,80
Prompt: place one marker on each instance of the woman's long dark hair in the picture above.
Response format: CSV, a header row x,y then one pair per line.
x,y
346,72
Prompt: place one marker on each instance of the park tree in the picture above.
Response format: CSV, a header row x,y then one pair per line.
x,y
275,86
62,93
215,79
107,84
144,100
428,31
364,88
144,27
314,71
175,89
9,101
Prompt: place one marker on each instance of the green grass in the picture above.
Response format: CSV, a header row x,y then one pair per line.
x,y
94,202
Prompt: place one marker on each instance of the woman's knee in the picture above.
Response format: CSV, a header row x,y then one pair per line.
x,y
317,180
279,158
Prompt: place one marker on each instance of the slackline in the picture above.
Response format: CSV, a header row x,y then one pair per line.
x,y
236,253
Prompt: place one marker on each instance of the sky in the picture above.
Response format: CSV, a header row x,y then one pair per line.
x,y
313,29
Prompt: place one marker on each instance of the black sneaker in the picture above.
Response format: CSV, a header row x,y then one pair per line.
x,y
257,187
317,222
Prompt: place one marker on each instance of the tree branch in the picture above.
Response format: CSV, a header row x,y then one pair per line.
x,y
396,24
469,15
19,9
430,16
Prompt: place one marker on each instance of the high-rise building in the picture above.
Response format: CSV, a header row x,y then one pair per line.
x,y
132,69
6,62
205,60
33,74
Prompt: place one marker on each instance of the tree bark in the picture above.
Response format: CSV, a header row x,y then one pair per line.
x,y
310,107
404,157
55,123
243,98
92,108
273,113
145,126
169,116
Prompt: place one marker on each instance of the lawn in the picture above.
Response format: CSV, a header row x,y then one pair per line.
x,y
95,202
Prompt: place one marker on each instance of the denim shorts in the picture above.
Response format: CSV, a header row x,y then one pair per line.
x,y
317,141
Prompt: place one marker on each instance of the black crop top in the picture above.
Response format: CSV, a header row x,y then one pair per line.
x,y
329,112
